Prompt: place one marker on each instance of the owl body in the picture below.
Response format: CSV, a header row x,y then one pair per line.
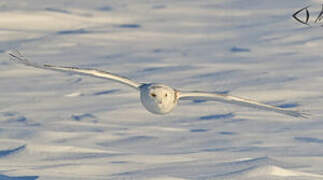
x,y
158,98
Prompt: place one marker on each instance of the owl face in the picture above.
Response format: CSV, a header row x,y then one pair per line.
x,y
158,98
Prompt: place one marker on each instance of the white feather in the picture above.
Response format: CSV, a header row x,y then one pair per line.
x,y
19,58
195,95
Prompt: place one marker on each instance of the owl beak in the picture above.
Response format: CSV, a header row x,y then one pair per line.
x,y
159,101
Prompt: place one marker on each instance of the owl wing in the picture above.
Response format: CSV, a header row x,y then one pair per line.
x,y
238,101
17,57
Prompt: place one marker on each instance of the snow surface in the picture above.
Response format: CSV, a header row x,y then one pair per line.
x,y
61,126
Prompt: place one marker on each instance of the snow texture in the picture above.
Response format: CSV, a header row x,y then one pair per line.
x,y
60,126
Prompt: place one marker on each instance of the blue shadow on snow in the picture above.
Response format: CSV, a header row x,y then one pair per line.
x,y
309,140
198,130
217,116
129,26
237,49
288,105
77,31
8,152
18,119
105,92
57,10
3,177
227,133
82,116
9,114
159,6
105,8
133,139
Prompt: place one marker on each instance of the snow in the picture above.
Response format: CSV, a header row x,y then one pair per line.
x,y
60,126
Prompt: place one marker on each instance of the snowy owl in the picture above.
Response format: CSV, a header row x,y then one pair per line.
x,y
158,98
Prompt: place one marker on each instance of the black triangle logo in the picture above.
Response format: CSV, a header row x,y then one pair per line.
x,y
307,15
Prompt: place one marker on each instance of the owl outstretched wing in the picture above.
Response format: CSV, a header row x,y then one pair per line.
x,y
17,57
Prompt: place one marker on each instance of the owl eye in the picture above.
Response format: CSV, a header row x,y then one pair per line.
x,y
153,94
166,95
